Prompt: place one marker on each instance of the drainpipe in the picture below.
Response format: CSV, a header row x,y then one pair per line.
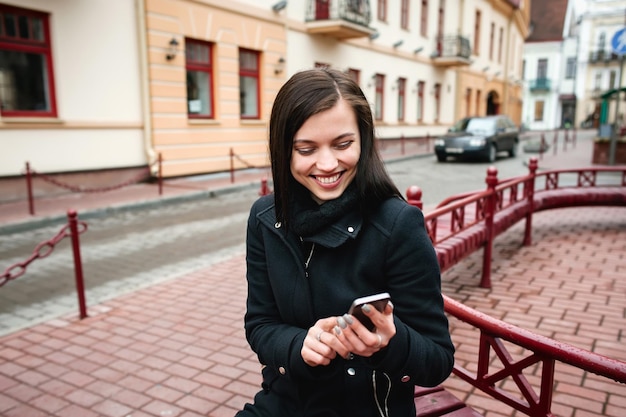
x,y
151,155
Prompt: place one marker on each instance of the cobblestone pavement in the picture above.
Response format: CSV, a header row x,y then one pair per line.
x,y
175,346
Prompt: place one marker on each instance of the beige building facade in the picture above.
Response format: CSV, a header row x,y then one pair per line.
x,y
124,81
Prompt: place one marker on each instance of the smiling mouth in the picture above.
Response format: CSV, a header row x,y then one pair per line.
x,y
328,179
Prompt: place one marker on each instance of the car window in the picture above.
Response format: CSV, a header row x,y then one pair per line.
x,y
480,126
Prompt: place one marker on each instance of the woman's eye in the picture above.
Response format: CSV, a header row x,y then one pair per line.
x,y
344,145
305,151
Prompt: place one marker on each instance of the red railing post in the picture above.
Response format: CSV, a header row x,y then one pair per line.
x,y
490,209
160,174
72,217
232,166
29,190
530,196
265,190
414,196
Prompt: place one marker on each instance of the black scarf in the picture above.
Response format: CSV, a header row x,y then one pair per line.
x,y
308,217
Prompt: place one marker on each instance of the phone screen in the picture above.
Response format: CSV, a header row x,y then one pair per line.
x,y
379,301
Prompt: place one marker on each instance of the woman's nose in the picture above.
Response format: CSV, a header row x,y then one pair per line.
x,y
327,161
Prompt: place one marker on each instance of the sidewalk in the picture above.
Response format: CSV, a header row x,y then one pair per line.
x,y
178,348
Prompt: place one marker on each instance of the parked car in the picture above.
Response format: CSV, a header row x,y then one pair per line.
x,y
482,137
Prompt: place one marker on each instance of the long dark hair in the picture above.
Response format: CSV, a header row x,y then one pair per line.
x,y
305,94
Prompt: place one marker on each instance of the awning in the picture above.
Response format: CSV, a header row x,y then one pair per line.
x,y
612,91
567,97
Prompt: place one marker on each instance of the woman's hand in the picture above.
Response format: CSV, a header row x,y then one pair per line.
x,y
321,344
360,341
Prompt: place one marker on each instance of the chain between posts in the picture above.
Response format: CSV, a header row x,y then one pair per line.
x,y
42,250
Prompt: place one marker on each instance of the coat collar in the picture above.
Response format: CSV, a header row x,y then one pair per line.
x,y
347,227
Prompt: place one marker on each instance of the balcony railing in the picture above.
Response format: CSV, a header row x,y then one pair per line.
x,y
342,19
452,51
602,56
540,84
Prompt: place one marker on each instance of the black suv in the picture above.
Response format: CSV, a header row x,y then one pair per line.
x,y
481,137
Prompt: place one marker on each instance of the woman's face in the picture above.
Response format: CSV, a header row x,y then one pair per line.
x,y
326,150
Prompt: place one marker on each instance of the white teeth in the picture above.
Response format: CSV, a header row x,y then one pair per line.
x,y
328,180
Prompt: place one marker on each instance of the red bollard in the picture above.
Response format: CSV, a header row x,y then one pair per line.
x,y
414,196
29,189
72,217
232,166
160,178
265,190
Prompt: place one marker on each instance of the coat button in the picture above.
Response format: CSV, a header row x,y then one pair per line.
x,y
350,229
282,370
351,372
277,225
405,378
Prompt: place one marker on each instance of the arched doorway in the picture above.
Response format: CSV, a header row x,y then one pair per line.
x,y
493,103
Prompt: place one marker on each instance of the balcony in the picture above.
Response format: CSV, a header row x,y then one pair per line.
x,y
540,85
451,51
600,56
340,19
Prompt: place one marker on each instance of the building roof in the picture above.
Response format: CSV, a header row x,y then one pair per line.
x,y
547,19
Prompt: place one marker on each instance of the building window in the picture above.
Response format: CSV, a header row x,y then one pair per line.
x,y
468,102
437,93
478,103
404,14
597,85
379,80
249,84
26,77
382,10
420,101
570,68
401,98
539,110
500,40
355,74
542,68
477,33
199,79
613,79
492,35
424,19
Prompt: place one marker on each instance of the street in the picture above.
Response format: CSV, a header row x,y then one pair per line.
x,y
129,250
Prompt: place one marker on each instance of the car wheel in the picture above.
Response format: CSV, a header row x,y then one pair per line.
x,y
491,153
513,150
441,157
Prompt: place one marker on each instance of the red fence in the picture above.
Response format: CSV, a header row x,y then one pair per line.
x,y
72,229
464,223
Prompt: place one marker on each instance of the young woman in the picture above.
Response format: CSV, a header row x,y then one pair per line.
x,y
337,229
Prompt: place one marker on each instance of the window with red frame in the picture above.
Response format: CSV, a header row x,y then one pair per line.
x,y
199,66
424,19
355,74
249,84
401,98
379,79
420,100
26,77
382,10
437,102
404,14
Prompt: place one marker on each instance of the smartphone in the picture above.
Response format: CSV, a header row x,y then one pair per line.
x,y
379,301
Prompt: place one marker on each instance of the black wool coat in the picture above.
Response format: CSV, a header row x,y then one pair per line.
x,y
388,250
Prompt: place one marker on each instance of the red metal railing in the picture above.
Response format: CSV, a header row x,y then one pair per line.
x,y
72,229
478,210
541,350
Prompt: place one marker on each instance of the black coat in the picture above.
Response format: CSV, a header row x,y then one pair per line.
x,y
387,251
